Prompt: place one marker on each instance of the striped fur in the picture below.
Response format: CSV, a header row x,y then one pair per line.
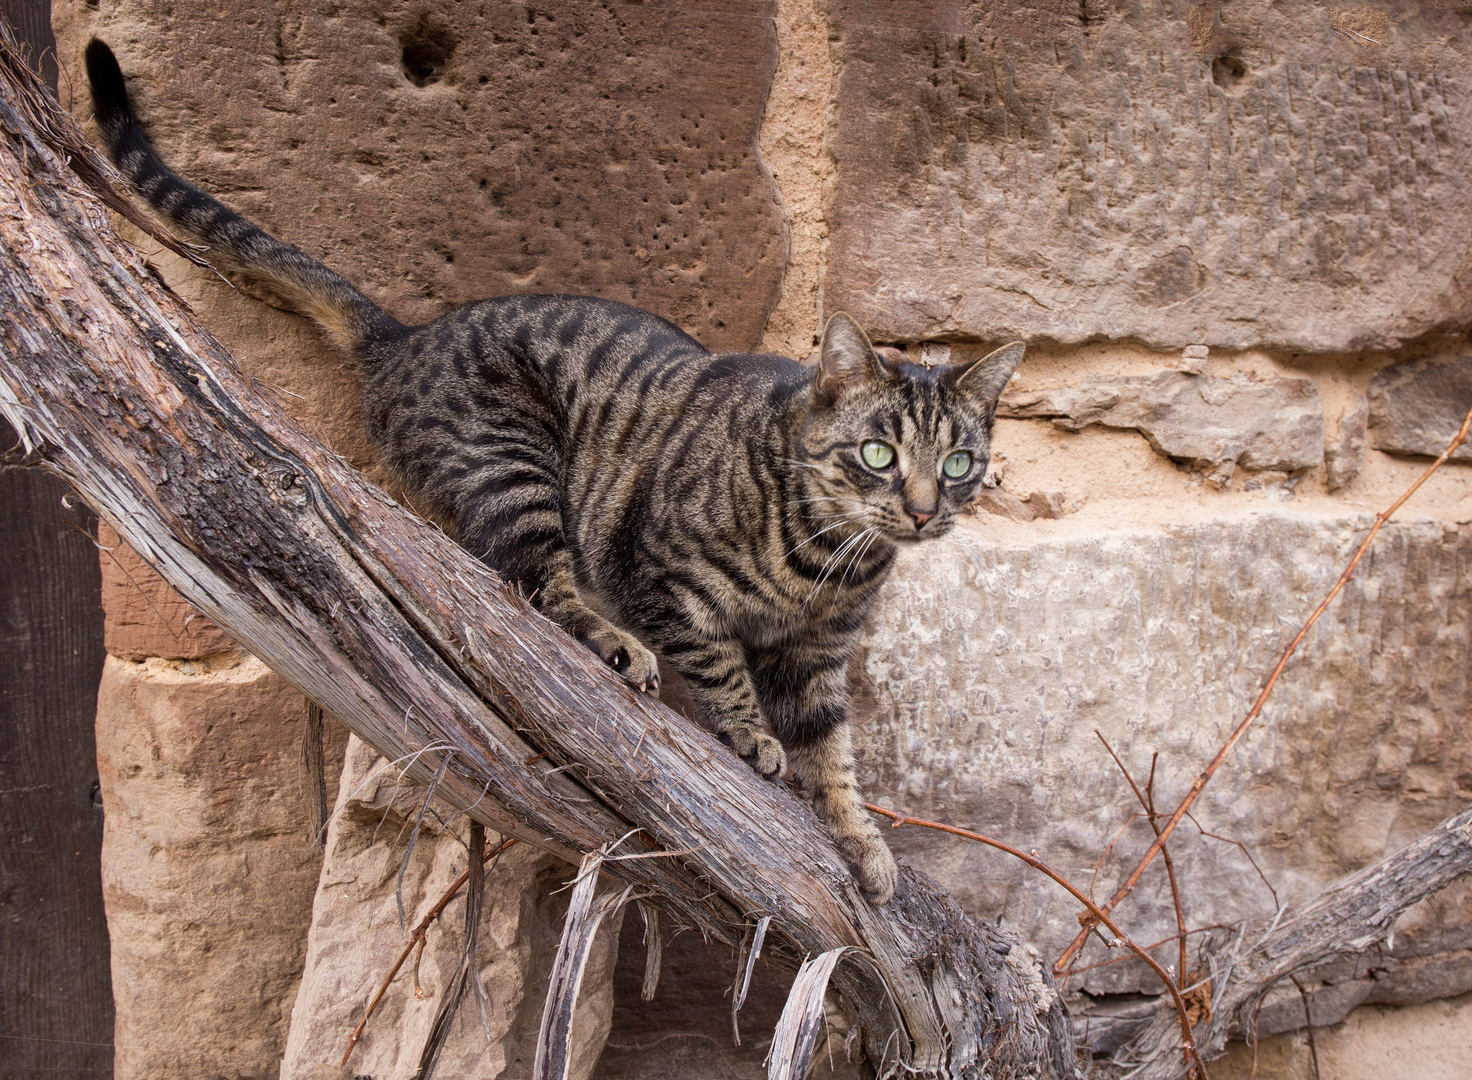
x,y
647,494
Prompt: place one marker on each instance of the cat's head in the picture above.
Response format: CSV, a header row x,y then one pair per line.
x,y
895,446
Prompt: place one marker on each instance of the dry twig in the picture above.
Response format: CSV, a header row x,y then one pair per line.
x,y
1121,939
1308,1024
1147,801
416,939
465,974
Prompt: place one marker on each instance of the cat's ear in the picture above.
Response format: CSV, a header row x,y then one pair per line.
x,y
846,360
985,379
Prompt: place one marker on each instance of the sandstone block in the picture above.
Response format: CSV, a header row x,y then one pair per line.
x,y
1417,406
208,863
1344,454
990,664
356,936
444,152
144,616
1071,172
1210,423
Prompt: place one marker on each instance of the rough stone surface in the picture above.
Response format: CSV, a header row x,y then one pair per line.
x,y
1417,406
1047,504
355,938
1422,1042
606,150
1210,423
1344,452
1004,504
144,616
991,664
1072,171
208,863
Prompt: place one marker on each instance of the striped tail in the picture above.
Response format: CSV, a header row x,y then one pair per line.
x,y
306,286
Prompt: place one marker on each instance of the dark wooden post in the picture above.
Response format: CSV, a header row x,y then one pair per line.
x,y
56,1013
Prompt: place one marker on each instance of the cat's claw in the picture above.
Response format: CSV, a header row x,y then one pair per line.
x,y
758,749
627,657
873,865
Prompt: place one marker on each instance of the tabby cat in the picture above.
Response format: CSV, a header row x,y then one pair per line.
x,y
735,513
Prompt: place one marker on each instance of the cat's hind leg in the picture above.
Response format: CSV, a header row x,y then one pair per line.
x,y
512,521
717,679
558,599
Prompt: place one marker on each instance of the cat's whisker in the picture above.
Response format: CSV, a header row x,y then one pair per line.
x,y
831,564
848,547
827,528
858,559
794,461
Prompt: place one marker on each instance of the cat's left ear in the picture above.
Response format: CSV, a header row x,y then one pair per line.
x,y
846,359
985,379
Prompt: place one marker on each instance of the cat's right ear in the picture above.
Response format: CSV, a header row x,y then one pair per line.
x,y
985,379
846,360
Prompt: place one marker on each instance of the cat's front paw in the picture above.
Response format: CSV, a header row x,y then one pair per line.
x,y
625,655
874,867
758,749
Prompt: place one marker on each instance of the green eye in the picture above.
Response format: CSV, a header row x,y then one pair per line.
x,y
957,465
877,455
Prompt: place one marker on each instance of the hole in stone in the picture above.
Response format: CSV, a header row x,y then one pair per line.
x,y
1228,70
427,48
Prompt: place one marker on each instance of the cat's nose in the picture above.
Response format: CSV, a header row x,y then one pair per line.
x,y
921,517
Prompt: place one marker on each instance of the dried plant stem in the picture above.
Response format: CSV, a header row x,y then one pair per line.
x,y
1308,1025
453,993
316,773
1100,916
1175,890
1147,802
1256,1040
1091,919
1149,948
417,939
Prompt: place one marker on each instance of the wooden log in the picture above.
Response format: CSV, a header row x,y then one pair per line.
x,y
387,624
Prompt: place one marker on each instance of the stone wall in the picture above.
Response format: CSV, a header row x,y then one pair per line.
x,y
209,862
1235,237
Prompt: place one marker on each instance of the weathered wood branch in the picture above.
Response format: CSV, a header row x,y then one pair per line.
x,y
1351,915
381,620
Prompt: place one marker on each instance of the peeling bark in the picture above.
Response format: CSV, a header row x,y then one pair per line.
x,y
381,620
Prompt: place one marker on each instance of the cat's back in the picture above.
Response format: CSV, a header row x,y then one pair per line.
x,y
596,382
590,361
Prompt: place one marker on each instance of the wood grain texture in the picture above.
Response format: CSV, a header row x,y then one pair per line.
x,y
55,987
384,622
